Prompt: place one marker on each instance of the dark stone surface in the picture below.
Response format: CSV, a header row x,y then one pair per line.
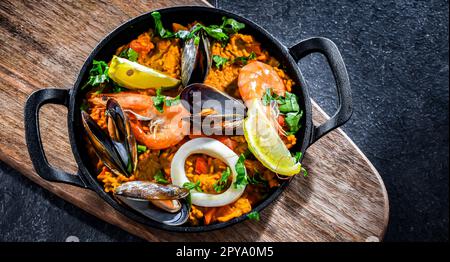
x,y
397,57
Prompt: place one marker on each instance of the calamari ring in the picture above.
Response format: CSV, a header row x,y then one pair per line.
x,y
214,148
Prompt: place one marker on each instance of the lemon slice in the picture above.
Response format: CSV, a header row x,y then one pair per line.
x,y
265,143
133,75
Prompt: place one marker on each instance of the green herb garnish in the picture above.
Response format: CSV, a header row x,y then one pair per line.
x,y
231,26
267,97
191,186
158,100
98,74
129,54
304,171
182,34
219,61
174,101
254,215
241,177
221,33
160,178
197,40
244,59
292,120
162,32
256,179
297,156
216,32
141,149
222,182
289,103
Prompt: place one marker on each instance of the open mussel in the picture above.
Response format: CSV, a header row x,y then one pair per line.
x,y
150,198
117,149
196,59
212,110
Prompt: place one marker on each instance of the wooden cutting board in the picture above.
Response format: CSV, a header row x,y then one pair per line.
x,y
44,44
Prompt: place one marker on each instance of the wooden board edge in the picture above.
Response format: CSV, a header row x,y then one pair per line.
x,y
371,166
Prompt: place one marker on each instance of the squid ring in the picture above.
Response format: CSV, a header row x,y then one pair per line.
x,y
214,148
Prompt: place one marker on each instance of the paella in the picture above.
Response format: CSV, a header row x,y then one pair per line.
x,y
193,124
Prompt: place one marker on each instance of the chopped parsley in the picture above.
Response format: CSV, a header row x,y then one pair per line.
x,y
191,186
244,59
254,215
160,178
159,28
292,120
304,171
297,156
241,177
129,54
231,26
174,101
222,182
268,97
98,74
256,179
197,40
158,100
221,33
219,61
287,105
141,149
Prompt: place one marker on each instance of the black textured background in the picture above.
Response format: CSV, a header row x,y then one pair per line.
x,y
397,57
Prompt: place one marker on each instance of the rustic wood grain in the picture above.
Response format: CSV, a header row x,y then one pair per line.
x,y
44,44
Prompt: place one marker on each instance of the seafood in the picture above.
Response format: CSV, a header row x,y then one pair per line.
x,y
165,128
218,112
255,78
213,148
151,191
118,150
171,208
195,59
161,147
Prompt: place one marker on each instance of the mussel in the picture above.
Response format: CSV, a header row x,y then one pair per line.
x,y
149,198
196,59
117,149
212,110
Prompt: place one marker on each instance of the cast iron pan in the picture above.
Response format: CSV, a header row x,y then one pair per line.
x,y
86,176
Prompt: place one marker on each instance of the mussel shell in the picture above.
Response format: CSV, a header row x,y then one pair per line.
x,y
196,60
175,205
151,191
228,112
103,145
217,124
199,96
147,209
121,135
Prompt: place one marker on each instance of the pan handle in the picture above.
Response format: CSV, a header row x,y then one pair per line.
x,y
334,59
33,136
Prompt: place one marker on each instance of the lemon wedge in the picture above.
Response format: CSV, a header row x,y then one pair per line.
x,y
265,143
133,75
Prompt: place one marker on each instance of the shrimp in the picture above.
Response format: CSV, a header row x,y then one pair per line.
x,y
255,78
253,81
165,129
